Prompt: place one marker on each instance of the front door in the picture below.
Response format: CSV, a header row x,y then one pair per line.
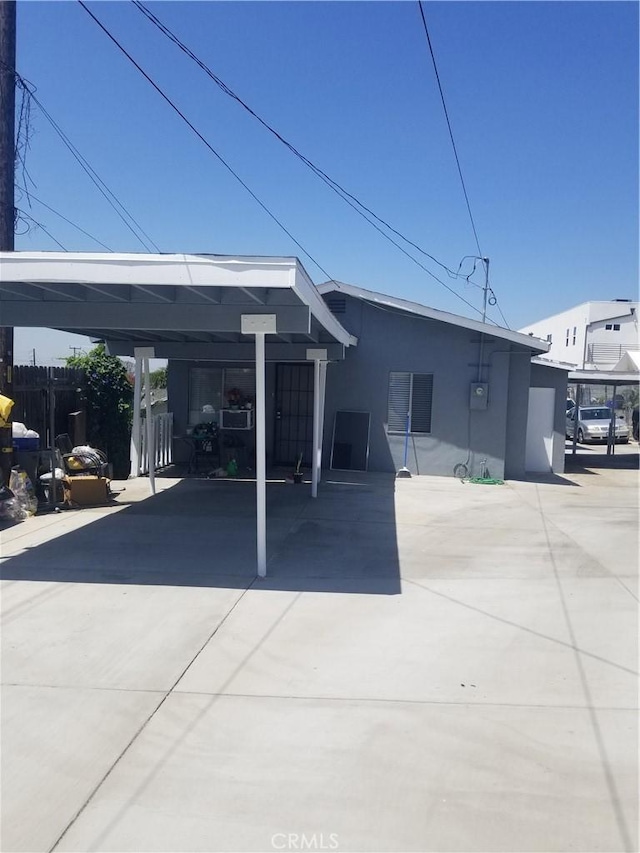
x,y
294,413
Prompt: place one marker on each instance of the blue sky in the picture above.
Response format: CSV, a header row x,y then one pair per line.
x,y
542,98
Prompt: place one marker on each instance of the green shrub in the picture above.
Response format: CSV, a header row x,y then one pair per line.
x,y
109,398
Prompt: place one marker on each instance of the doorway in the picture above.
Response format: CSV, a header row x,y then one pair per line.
x,y
539,441
294,413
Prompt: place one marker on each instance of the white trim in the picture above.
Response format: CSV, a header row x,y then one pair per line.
x,y
112,270
603,377
535,344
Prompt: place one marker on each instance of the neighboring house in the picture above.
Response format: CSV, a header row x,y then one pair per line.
x,y
591,336
465,385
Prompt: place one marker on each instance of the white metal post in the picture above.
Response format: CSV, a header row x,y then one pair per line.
x,y
136,438
149,417
260,325
319,358
315,467
261,462
323,387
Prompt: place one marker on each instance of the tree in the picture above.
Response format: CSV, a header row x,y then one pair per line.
x,y
158,378
109,397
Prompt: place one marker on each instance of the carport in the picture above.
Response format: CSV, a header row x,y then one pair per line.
x,y
615,378
184,306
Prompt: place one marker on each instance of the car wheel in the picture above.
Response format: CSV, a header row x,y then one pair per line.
x,y
580,437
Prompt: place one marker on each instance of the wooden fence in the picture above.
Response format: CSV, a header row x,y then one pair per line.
x,y
31,394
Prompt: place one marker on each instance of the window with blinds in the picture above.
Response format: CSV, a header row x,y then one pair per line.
x,y
412,394
209,387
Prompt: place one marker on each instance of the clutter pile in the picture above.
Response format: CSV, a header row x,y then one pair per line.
x,y
18,500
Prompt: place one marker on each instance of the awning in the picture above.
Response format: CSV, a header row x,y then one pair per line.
x,y
185,306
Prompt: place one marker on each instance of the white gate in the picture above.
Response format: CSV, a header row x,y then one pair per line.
x,y
162,442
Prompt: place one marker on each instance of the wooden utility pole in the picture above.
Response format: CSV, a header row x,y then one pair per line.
x,y
7,203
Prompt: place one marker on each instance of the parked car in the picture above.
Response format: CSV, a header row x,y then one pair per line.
x,y
593,425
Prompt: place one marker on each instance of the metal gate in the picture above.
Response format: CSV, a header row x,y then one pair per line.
x,y
294,413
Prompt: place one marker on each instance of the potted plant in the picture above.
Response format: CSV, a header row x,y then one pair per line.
x,y
297,474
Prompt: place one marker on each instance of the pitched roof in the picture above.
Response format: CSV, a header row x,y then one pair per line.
x,y
382,299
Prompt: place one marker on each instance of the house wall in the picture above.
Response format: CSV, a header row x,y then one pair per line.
x,y
551,377
390,341
517,410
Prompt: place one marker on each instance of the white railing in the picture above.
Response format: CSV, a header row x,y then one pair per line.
x,y
162,442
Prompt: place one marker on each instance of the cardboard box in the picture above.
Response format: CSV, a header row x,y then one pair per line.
x,y
87,491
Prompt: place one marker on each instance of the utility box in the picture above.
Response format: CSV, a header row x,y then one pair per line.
x,y
478,395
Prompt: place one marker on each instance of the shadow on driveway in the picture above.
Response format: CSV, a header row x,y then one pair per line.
x,y
203,533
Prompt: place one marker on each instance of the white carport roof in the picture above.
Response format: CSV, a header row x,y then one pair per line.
x,y
393,302
186,306
629,363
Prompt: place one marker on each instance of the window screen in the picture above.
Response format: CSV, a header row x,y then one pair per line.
x,y
242,378
410,393
205,389
209,386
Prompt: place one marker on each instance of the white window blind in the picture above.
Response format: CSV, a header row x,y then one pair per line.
x,y
242,378
410,393
205,389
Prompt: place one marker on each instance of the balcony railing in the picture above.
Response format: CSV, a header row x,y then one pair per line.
x,y
608,353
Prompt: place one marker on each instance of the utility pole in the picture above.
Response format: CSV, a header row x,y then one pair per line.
x,y
7,204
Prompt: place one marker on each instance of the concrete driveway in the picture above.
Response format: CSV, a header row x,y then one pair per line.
x,y
430,666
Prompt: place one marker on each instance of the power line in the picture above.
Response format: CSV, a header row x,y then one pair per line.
x,y
203,139
31,196
355,203
111,198
446,115
28,218
350,199
455,152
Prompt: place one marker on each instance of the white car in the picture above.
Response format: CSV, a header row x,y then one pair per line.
x,y
594,423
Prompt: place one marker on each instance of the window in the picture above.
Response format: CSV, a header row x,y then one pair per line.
x,y
574,335
209,388
566,342
550,338
410,393
608,327
616,327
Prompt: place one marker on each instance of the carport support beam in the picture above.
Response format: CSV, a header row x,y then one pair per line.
x,y
575,424
137,420
260,325
319,357
151,455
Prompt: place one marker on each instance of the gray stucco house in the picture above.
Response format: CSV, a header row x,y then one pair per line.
x,y
464,387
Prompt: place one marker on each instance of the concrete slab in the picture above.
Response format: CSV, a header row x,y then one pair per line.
x,y
428,666
230,774
107,635
457,641
57,744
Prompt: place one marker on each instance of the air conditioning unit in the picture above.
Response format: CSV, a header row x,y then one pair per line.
x,y
236,418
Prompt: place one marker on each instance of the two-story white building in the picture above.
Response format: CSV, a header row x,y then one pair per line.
x,y
592,336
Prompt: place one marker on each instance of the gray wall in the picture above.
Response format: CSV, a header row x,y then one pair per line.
x,y
389,341
551,377
392,341
517,411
